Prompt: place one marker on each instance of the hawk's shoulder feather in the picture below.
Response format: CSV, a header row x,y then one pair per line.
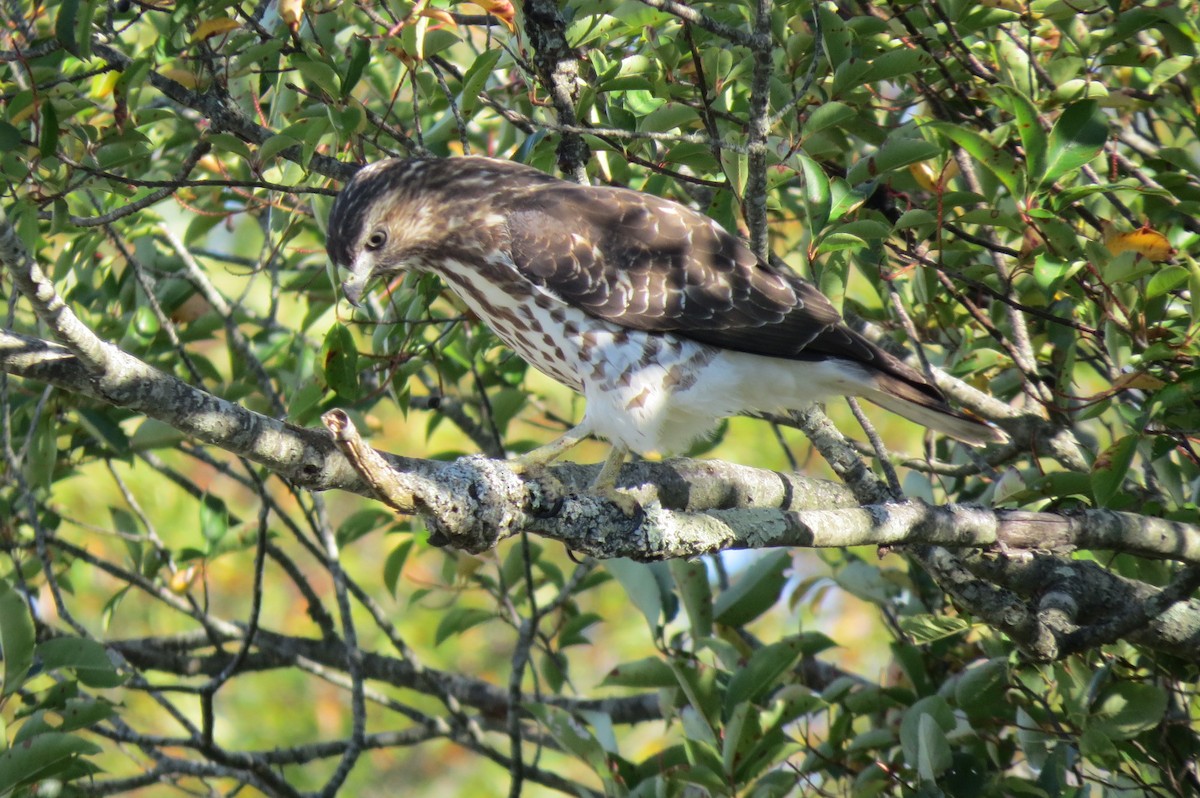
x,y
651,264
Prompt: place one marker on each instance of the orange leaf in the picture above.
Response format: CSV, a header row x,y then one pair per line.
x,y
1145,241
501,9
214,27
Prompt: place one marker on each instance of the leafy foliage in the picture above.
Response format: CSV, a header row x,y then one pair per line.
x,y
1010,188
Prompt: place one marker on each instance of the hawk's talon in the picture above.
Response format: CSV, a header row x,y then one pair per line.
x,y
626,502
548,495
605,484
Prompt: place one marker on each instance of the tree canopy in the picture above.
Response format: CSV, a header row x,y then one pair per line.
x,y
201,593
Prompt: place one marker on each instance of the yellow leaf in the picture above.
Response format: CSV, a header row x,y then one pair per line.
x,y
181,580
929,177
1145,241
214,27
184,77
102,84
1137,380
20,116
291,12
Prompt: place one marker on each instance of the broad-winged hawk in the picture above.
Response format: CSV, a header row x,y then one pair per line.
x,y
663,320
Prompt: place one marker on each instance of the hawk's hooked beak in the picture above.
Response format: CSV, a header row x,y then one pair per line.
x,y
354,286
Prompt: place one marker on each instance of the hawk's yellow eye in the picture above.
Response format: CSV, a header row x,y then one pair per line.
x,y
376,240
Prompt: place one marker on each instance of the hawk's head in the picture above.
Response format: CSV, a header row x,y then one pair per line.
x,y
380,221
403,213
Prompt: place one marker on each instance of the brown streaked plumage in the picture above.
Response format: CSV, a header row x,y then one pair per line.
x,y
664,321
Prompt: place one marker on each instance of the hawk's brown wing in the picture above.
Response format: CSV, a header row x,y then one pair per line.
x,y
647,263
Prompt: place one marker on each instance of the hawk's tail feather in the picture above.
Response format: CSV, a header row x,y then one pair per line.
x,y
923,408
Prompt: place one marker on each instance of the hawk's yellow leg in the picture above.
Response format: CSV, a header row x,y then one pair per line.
x,y
604,485
543,456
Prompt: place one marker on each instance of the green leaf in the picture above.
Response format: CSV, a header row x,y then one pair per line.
x,y
360,55
865,581
699,685
872,740
42,455
505,404
317,74
1166,280
895,153
16,637
926,629
979,690
476,78
155,434
848,75
458,620
1029,128
776,784
87,658
917,736
933,752
996,160
48,144
1167,69
40,757
825,116
761,673
692,581
222,141
1126,709
1077,137
66,26
82,713
645,673
574,737
214,520
10,137
817,202
393,566
838,242
645,583
915,217
360,523
847,198
1077,89
339,357
755,592
1110,468
572,631
899,62
740,731
670,116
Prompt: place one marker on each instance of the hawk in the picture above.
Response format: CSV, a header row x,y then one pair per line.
x,y
662,319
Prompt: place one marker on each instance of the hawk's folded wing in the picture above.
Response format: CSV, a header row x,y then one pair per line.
x,y
647,263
